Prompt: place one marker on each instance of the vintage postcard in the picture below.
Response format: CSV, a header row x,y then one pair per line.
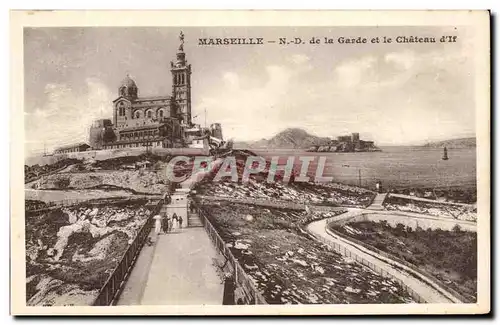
x,y
250,162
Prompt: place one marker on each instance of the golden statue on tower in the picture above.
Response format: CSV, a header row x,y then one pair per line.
x,y
181,38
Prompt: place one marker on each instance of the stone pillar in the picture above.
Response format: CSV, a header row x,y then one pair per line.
x,y
229,287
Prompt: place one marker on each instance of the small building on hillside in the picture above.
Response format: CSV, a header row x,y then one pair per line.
x,y
76,147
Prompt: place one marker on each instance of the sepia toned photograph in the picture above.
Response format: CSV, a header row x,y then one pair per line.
x,y
208,166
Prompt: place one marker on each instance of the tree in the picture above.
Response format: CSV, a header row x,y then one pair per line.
x,y
400,229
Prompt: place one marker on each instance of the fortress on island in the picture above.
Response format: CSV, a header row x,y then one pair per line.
x,y
346,143
158,122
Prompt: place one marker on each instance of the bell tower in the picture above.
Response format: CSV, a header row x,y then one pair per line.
x,y
181,83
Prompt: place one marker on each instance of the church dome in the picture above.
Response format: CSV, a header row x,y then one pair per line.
x,y
128,88
128,82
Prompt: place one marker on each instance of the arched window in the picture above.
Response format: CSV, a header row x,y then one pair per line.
x,y
182,79
160,113
149,114
121,109
137,114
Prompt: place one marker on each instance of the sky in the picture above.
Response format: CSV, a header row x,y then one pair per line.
x,y
393,94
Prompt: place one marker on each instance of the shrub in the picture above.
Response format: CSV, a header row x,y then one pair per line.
x,y
62,183
400,229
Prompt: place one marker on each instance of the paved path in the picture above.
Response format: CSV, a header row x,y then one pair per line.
x,y
180,272
422,288
136,282
377,202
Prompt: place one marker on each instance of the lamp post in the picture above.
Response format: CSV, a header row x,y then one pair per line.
x,y
359,173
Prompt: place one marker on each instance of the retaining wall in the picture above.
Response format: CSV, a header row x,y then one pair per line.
x,y
423,222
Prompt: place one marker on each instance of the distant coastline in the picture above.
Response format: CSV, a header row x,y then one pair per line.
x,y
460,143
296,138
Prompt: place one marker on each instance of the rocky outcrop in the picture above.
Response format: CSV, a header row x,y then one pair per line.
x,y
70,252
53,292
98,252
291,138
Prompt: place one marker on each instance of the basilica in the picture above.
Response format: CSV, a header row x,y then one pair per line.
x,y
163,121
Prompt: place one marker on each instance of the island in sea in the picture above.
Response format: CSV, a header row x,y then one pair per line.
x,y
295,138
346,143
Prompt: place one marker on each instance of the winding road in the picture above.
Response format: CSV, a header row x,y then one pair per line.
x,y
425,288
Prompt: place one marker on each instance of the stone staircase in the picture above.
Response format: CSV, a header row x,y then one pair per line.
x,y
378,201
163,210
194,220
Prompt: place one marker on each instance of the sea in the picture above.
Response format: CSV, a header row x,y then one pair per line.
x,y
400,166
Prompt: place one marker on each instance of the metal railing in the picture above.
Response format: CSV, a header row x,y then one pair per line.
x,y
240,277
414,270
110,291
345,252
342,250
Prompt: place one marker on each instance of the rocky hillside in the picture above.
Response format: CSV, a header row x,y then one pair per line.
x,y
70,252
287,266
291,138
34,172
137,181
453,143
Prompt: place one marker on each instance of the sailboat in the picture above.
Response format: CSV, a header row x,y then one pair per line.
x,y
445,154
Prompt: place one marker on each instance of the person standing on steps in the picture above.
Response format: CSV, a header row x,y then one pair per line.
x,y
175,220
180,222
171,223
165,224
